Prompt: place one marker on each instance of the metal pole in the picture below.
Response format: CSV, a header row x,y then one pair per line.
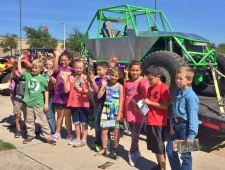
x,y
20,24
155,9
64,36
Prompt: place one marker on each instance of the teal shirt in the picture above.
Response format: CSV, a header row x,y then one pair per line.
x,y
35,86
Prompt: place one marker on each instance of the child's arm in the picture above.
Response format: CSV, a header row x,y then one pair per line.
x,y
66,85
120,103
55,65
192,112
50,74
163,105
126,72
92,78
46,101
19,65
27,63
101,91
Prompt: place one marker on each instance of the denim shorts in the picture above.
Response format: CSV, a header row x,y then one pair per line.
x,y
80,115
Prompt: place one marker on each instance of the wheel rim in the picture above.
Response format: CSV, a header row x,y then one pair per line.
x,y
165,76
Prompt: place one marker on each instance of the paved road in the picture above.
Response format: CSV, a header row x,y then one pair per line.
x,y
40,155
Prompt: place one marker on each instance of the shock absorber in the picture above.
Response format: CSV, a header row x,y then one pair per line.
x,y
170,44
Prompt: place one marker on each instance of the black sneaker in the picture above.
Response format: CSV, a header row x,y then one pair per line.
x,y
25,135
18,134
28,140
52,142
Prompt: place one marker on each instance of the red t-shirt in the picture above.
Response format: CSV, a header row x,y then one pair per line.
x,y
159,94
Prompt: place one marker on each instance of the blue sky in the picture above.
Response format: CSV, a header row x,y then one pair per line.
x,y
203,17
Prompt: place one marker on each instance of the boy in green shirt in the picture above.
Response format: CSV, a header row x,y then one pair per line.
x,y
36,98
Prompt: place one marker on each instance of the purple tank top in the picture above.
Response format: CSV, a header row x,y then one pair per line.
x,y
59,96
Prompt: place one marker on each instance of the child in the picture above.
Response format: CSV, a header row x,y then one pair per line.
x,y
158,100
102,69
78,102
112,107
184,121
135,88
48,74
37,103
62,65
18,105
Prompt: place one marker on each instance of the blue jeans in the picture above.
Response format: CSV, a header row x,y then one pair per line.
x,y
98,129
181,133
51,113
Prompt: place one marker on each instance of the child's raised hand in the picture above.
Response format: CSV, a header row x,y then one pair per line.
x,y
64,77
50,72
21,57
57,53
104,82
126,71
91,76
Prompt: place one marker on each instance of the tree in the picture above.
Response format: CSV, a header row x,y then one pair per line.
x,y
9,43
72,42
40,38
221,48
212,46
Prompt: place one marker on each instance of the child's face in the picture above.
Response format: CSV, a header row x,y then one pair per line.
x,y
112,64
153,80
49,64
182,82
64,61
114,76
78,67
36,70
101,71
135,71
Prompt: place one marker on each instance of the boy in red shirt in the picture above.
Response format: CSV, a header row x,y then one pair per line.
x,y
158,100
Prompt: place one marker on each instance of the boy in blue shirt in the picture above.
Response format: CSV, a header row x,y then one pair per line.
x,y
184,121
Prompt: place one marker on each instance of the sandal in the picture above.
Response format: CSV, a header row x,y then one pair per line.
x,y
114,154
102,152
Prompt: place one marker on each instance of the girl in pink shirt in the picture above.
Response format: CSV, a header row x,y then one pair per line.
x,y
135,88
78,102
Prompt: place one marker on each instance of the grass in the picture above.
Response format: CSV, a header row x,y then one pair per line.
x,y
6,146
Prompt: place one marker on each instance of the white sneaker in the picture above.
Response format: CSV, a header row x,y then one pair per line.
x,y
76,143
137,154
132,159
72,142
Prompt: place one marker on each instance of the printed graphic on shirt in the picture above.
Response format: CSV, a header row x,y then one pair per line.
x,y
33,85
66,73
131,90
155,95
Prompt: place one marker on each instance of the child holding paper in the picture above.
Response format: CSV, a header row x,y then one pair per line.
x,y
112,107
158,100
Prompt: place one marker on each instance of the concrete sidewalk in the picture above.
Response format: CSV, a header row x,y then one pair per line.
x,y
40,155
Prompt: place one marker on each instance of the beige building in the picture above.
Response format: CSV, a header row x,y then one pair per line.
x,y
24,46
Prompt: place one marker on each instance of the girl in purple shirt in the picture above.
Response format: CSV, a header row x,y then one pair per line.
x,y
62,66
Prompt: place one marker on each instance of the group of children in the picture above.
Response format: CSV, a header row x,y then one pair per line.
x,y
66,92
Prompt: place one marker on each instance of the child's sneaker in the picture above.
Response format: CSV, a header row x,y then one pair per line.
x,y
72,142
18,134
56,136
81,143
28,140
137,154
52,142
70,138
132,159
76,143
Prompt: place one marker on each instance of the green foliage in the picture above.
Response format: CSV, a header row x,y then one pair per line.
x,y
221,48
9,43
40,38
6,146
72,42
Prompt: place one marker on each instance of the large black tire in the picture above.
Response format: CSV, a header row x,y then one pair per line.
x,y
91,114
5,80
205,89
168,62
